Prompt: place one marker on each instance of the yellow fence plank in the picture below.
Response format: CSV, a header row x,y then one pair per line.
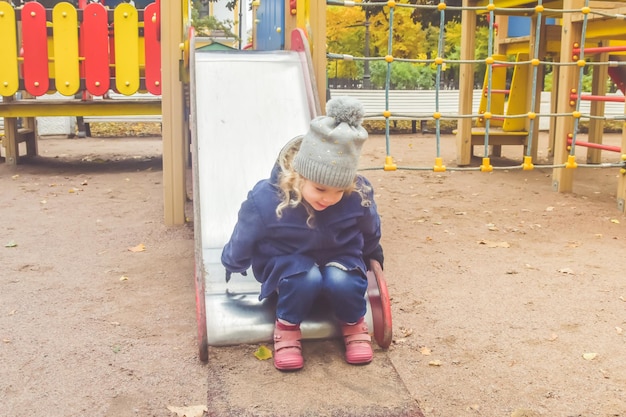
x,y
65,29
9,81
126,28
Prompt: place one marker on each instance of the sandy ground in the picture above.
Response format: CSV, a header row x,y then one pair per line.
x,y
508,298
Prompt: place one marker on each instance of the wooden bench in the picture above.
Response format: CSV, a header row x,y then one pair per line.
x,y
410,105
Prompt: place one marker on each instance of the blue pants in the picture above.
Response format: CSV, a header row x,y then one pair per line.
x,y
345,290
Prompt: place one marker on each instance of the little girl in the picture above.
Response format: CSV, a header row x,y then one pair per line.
x,y
310,230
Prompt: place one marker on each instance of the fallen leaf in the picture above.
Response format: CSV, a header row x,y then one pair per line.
x,y
492,244
263,353
590,356
11,244
139,248
523,412
435,363
406,332
123,278
615,221
425,351
191,411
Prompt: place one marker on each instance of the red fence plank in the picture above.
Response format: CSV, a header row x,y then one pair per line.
x,y
153,49
95,33
35,44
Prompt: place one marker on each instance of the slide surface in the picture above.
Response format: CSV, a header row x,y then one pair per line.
x,y
247,105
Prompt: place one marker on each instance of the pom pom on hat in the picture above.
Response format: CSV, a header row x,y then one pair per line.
x,y
345,109
330,150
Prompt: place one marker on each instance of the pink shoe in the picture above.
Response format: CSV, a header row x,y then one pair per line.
x,y
287,347
357,340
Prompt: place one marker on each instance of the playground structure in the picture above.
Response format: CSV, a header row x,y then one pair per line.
x,y
509,107
81,52
73,65
583,28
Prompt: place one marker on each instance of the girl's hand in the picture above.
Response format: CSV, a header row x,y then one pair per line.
x,y
229,274
376,255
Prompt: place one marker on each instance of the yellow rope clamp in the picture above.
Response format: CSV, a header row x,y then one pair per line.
x,y
389,164
486,165
527,165
439,167
571,162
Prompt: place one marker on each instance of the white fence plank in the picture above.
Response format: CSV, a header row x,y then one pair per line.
x,y
420,104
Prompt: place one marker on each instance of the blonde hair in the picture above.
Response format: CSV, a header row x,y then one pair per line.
x,y
290,184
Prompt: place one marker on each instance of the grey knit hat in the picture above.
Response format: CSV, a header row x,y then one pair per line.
x,y
330,150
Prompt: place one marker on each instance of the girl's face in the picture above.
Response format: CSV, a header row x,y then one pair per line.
x,y
319,196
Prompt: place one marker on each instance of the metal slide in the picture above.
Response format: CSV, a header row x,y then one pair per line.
x,y
245,105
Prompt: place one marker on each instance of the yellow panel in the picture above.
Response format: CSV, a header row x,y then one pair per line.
x,y
65,29
519,3
9,81
518,96
606,29
142,51
498,82
50,43
126,49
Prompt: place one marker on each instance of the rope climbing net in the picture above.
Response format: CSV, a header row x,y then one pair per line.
x,y
492,62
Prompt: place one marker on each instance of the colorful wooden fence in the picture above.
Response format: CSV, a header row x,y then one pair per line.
x,y
116,49
77,52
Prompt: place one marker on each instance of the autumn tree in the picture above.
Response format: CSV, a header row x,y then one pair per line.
x,y
410,40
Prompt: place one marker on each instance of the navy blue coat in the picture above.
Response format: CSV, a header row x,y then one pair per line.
x,y
282,247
